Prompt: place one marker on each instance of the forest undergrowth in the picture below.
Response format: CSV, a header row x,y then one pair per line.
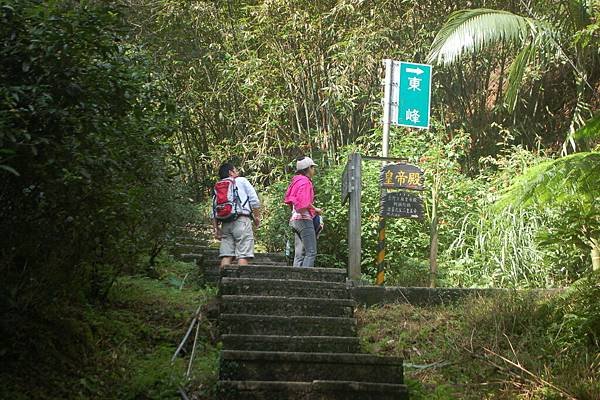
x,y
122,349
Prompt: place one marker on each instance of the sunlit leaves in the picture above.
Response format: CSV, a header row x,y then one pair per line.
x,y
468,31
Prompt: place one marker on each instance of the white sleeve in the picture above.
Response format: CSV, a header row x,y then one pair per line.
x,y
251,193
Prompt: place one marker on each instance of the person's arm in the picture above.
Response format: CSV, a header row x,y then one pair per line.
x,y
216,229
256,216
306,198
215,224
253,201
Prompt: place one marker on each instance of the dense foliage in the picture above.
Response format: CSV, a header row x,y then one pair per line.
x,y
114,115
87,185
264,82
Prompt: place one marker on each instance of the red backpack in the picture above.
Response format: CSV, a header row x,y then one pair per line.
x,y
226,200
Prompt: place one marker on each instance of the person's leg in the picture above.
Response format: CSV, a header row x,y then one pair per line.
x,y
225,261
244,235
298,246
309,241
243,261
227,247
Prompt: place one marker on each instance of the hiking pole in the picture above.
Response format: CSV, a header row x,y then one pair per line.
x,y
194,320
187,375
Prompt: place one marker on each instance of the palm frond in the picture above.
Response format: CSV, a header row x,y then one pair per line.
x,y
468,31
515,75
590,130
556,181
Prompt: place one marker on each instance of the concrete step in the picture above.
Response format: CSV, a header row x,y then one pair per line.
x,y
211,271
210,262
283,287
314,344
185,248
307,367
190,240
288,306
211,278
191,257
315,390
263,271
247,324
212,253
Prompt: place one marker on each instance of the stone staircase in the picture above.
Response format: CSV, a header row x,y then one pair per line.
x,y
207,258
290,334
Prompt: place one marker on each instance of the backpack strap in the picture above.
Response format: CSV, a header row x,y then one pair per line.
x,y
239,200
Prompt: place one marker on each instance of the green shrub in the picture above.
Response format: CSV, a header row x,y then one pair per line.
x,y
90,184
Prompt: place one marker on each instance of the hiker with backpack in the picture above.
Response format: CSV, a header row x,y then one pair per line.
x,y
300,197
235,207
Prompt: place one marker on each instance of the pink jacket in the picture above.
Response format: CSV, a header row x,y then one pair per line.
x,y
300,194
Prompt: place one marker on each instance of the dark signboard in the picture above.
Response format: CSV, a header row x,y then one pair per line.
x,y
401,176
401,204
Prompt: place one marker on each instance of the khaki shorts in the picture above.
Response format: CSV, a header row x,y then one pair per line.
x,y
238,239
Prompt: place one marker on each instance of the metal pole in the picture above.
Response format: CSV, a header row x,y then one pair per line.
x,y
387,103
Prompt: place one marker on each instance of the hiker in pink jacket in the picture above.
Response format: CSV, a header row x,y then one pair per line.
x,y
300,197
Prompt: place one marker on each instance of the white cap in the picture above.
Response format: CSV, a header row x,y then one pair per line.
x,y
304,163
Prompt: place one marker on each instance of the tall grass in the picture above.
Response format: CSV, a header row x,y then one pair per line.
x,y
499,248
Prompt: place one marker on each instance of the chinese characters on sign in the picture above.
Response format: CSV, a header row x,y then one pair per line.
x,y
414,94
401,176
401,204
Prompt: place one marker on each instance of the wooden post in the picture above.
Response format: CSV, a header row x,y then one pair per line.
x,y
354,233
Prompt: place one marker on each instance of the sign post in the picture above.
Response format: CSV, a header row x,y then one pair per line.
x,y
406,102
399,204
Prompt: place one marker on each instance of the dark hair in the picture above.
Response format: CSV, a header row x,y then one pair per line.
x,y
224,170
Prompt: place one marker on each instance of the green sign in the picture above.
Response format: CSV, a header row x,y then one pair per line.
x,y
414,95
